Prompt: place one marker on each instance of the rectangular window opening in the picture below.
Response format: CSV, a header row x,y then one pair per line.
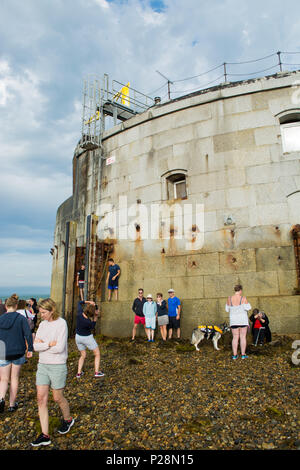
x,y
290,137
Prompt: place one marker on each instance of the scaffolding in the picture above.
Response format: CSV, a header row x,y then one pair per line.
x,y
120,101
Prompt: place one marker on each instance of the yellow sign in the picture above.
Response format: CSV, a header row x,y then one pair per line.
x,y
124,94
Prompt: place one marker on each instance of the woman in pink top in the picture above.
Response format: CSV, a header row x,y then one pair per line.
x,y
51,342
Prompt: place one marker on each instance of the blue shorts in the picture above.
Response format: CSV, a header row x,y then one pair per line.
x,y
113,284
16,362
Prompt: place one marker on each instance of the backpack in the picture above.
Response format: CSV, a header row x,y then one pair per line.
x,y
30,321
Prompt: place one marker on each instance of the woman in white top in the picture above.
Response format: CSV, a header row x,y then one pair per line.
x,y
238,306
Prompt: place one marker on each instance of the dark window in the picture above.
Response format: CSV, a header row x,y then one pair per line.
x,y
176,185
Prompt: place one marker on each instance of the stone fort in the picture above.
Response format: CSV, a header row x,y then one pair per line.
x,y
196,194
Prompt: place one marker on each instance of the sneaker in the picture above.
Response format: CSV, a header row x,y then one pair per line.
x,y
2,404
65,426
42,440
79,375
244,356
13,408
234,357
99,374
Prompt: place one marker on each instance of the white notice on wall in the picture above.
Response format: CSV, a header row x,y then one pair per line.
x,y
111,160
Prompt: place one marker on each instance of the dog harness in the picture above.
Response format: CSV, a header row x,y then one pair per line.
x,y
210,330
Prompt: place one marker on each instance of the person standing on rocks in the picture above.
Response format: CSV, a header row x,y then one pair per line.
x,y
112,279
238,306
87,316
51,342
33,307
150,311
137,308
15,338
174,311
162,315
80,281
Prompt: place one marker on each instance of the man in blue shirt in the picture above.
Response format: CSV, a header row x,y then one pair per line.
x,y
174,310
112,279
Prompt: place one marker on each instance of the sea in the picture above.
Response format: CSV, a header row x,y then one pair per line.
x,y
25,292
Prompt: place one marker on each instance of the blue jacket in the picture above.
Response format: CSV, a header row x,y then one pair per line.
x,y
14,330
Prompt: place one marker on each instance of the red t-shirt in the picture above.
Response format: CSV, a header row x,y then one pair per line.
x,y
257,324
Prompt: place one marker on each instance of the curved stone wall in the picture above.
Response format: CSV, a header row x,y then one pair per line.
x,y
226,144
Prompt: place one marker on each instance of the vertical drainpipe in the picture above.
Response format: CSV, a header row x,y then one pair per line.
x,y
65,269
87,255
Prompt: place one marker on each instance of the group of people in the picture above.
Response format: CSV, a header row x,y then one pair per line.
x,y
147,311
18,341
167,315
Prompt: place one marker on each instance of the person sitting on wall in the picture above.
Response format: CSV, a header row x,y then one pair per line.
x,y
80,281
112,279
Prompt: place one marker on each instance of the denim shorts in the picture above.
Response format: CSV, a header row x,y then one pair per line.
x,y
16,362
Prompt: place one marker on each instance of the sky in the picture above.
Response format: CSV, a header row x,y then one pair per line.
x,y
47,48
